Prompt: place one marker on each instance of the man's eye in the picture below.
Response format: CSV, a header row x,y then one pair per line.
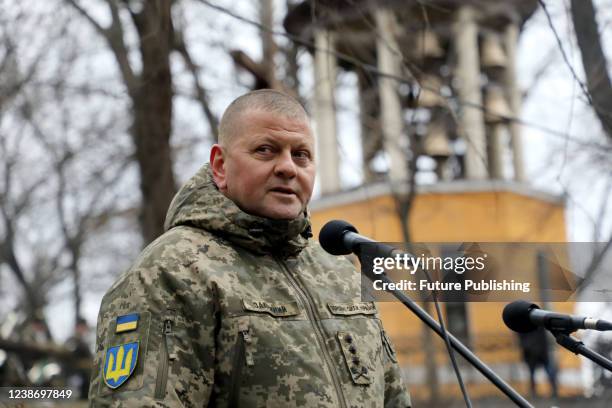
x,y
301,154
263,149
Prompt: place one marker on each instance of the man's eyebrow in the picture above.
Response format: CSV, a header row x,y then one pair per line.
x,y
259,138
271,139
304,144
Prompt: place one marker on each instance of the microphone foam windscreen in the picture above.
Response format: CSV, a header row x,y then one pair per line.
x,y
331,237
516,316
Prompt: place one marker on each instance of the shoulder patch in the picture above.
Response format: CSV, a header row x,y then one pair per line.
x,y
120,363
127,323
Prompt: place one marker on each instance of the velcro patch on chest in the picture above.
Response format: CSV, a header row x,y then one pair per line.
x,y
127,322
274,309
352,308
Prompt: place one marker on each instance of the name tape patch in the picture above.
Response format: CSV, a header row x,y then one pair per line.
x,y
352,308
274,309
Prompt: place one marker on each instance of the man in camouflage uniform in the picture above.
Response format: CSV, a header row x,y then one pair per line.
x,y
234,306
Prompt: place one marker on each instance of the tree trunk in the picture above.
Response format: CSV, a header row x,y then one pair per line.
x,y
151,94
594,61
75,252
266,16
152,108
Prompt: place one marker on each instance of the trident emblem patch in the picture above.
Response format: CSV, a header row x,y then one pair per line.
x,y
120,363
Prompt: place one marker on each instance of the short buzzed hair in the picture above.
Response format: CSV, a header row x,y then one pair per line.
x,y
267,100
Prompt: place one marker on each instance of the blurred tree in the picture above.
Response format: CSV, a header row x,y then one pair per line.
x,y
79,223
593,61
264,71
13,205
150,92
17,190
60,183
599,95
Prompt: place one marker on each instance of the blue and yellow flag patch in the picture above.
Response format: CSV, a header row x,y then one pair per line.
x,y
120,363
127,323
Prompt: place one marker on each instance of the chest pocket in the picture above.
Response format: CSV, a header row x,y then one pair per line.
x,y
267,338
358,335
266,330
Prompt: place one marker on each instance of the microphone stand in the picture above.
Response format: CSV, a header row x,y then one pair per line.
x,y
459,346
577,347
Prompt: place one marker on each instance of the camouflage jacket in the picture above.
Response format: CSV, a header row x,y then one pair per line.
x,y
227,309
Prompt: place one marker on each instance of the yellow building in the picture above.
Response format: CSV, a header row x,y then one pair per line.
x,y
460,211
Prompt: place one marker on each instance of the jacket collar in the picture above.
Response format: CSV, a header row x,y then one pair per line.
x,y
200,204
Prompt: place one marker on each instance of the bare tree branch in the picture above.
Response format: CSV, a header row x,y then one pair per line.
x,y
8,252
202,95
12,89
548,62
117,44
115,39
593,60
256,69
75,4
151,116
603,210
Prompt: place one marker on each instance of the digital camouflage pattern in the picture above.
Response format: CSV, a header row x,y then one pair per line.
x,y
241,311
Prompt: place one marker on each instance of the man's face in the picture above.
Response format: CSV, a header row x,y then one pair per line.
x,y
268,167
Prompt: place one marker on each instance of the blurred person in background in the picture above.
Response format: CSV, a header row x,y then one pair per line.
x,y
78,369
536,353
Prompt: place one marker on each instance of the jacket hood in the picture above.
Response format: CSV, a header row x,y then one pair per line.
x,y
200,204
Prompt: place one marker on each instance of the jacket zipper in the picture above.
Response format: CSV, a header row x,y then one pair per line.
x,y
162,368
319,332
238,363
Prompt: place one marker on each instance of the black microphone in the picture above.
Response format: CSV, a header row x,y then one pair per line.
x,y
341,238
523,317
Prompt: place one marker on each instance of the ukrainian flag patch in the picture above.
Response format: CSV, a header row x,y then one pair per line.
x,y
127,323
120,363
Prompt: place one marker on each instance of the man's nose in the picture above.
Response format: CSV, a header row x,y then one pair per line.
x,y
285,166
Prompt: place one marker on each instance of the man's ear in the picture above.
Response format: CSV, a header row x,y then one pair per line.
x,y
217,164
